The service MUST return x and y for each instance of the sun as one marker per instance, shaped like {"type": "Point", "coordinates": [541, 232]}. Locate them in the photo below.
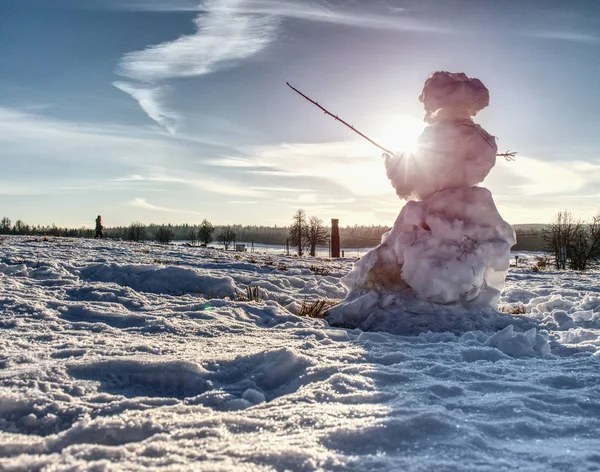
{"type": "Point", "coordinates": [399, 133]}
{"type": "Point", "coordinates": [366, 176]}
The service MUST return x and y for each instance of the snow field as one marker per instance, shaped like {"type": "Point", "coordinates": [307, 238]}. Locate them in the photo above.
{"type": "Point", "coordinates": [123, 356]}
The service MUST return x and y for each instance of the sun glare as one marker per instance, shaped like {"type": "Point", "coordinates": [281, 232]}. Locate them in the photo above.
{"type": "Point", "coordinates": [395, 132]}
{"type": "Point", "coordinates": [399, 132]}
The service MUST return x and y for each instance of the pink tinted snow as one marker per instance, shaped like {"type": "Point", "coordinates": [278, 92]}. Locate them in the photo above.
{"type": "Point", "coordinates": [448, 95]}
{"type": "Point", "coordinates": [449, 245]}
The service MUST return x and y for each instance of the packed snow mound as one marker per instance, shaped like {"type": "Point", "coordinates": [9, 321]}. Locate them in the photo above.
{"type": "Point", "coordinates": [448, 95]}
{"type": "Point", "coordinates": [449, 154]}
{"type": "Point", "coordinates": [405, 314]}
{"type": "Point", "coordinates": [155, 279]}
{"type": "Point", "coordinates": [450, 249]}
{"type": "Point", "coordinates": [529, 343]}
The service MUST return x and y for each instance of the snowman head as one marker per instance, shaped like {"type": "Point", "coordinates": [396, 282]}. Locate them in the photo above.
{"type": "Point", "coordinates": [453, 96]}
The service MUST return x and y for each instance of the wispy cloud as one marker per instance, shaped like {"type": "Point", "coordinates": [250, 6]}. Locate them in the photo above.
{"type": "Point", "coordinates": [28, 135]}
{"type": "Point", "coordinates": [155, 5]}
{"type": "Point", "coordinates": [228, 32]}
{"type": "Point", "coordinates": [388, 18]}
{"type": "Point", "coordinates": [282, 189]}
{"type": "Point", "coordinates": [151, 101]}
{"type": "Point", "coordinates": [50, 155]}
{"type": "Point", "coordinates": [224, 36]}
{"type": "Point", "coordinates": [204, 182]}
{"type": "Point", "coordinates": [350, 164]}
{"type": "Point", "coordinates": [232, 162]}
{"type": "Point", "coordinates": [554, 178]}
{"type": "Point", "coordinates": [143, 203]}
{"type": "Point", "coordinates": [574, 36]}
{"type": "Point", "coordinates": [228, 188]}
{"type": "Point", "coordinates": [140, 178]}
{"type": "Point", "coordinates": [340, 14]}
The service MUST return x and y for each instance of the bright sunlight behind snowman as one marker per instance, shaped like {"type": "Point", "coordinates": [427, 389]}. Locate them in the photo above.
{"type": "Point", "coordinates": [399, 133]}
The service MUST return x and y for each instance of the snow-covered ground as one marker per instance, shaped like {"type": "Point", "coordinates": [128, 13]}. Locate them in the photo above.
{"type": "Point", "coordinates": [124, 356]}
{"type": "Point", "coordinates": [277, 249]}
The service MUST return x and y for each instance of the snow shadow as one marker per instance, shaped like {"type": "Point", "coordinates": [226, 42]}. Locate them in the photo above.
{"type": "Point", "coordinates": [35, 414]}
{"type": "Point", "coordinates": [469, 397]}
{"type": "Point", "coordinates": [92, 314]}
{"type": "Point", "coordinates": [223, 385]}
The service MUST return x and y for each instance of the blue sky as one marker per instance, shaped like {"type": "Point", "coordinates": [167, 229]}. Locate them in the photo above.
{"type": "Point", "coordinates": [175, 111]}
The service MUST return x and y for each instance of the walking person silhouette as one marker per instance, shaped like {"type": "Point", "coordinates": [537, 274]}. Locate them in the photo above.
{"type": "Point", "coordinates": [99, 227]}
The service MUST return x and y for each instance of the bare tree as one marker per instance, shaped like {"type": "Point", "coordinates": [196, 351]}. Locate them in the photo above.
{"type": "Point", "coordinates": [585, 247]}
{"type": "Point", "coordinates": [226, 236]}
{"type": "Point", "coordinates": [316, 234]}
{"type": "Point", "coordinates": [164, 234]}
{"type": "Point", "coordinates": [297, 231]}
{"type": "Point", "coordinates": [205, 232]}
{"type": "Point", "coordinates": [136, 231]}
{"type": "Point", "coordinates": [580, 240]}
{"type": "Point", "coordinates": [193, 235]}
{"type": "Point", "coordinates": [20, 227]}
{"type": "Point", "coordinates": [561, 232]}
{"type": "Point", "coordinates": [5, 225]}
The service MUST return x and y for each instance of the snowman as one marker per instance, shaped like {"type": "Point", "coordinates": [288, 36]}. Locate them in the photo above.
{"type": "Point", "coordinates": [446, 258]}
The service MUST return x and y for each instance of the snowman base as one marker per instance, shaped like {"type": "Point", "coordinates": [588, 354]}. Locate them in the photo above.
{"type": "Point", "coordinates": [441, 268]}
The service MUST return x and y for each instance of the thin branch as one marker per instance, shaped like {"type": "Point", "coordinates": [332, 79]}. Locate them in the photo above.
{"type": "Point", "coordinates": [509, 156]}
{"type": "Point", "coordinates": [340, 120]}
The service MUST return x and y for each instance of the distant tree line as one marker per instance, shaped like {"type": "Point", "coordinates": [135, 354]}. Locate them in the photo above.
{"type": "Point", "coordinates": [530, 237]}
{"type": "Point", "coordinates": [578, 240]}
{"type": "Point", "coordinates": [22, 228]}
{"type": "Point", "coordinates": [205, 233]}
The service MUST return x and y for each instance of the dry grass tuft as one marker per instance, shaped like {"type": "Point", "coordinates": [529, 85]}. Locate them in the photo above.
{"type": "Point", "coordinates": [316, 308]}
{"type": "Point", "coordinates": [320, 270]}
{"type": "Point", "coordinates": [518, 309]}
{"type": "Point", "coordinates": [252, 295]}
{"type": "Point", "coordinates": [541, 263]}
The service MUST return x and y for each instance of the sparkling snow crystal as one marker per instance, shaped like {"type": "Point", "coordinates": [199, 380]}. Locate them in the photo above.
{"type": "Point", "coordinates": [448, 252]}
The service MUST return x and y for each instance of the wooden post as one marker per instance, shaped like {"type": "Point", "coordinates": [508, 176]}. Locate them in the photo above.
{"type": "Point", "coordinates": [299, 237]}
{"type": "Point", "coordinates": [562, 257]}
{"type": "Point", "coordinates": [335, 238]}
